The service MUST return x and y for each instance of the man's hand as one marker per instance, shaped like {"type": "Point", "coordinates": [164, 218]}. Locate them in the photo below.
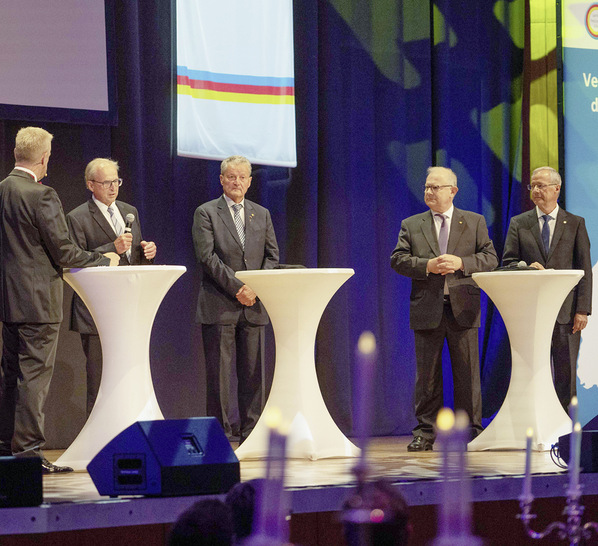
{"type": "Point", "coordinates": [246, 295]}
{"type": "Point", "coordinates": [123, 242]}
{"type": "Point", "coordinates": [445, 264]}
{"type": "Point", "coordinates": [580, 321]}
{"type": "Point", "coordinates": [538, 266]}
{"type": "Point", "coordinates": [113, 257]}
{"type": "Point", "coordinates": [149, 249]}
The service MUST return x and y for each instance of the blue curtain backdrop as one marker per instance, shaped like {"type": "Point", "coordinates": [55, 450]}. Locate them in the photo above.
{"type": "Point", "coordinates": [383, 90]}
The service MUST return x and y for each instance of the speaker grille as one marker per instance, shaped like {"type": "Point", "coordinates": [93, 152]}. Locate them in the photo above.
{"type": "Point", "coordinates": [129, 472]}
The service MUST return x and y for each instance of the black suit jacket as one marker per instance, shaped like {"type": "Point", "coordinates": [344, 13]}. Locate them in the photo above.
{"type": "Point", "coordinates": [418, 244]}
{"type": "Point", "coordinates": [569, 249]}
{"type": "Point", "coordinates": [91, 231]}
{"type": "Point", "coordinates": [220, 254]}
{"type": "Point", "coordinates": [34, 247]}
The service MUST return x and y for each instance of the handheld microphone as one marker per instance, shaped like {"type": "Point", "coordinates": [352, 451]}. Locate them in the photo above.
{"type": "Point", "coordinates": [516, 266]}
{"type": "Point", "coordinates": [129, 218]}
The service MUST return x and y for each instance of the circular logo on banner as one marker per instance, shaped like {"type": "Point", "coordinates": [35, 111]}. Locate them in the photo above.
{"type": "Point", "coordinates": [592, 21]}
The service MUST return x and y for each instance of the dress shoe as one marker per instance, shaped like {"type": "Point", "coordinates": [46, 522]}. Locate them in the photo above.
{"type": "Point", "coordinates": [419, 443]}
{"type": "Point", "coordinates": [49, 468]}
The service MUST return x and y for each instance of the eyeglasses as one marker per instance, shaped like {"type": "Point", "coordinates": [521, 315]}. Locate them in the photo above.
{"type": "Point", "coordinates": [242, 178]}
{"type": "Point", "coordinates": [434, 189]}
{"type": "Point", "coordinates": [108, 183]}
{"type": "Point", "coordinates": [540, 187]}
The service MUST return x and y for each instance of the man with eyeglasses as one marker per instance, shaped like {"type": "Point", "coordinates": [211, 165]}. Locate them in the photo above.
{"type": "Point", "coordinates": [439, 250]}
{"type": "Point", "coordinates": [233, 234]}
{"type": "Point", "coordinates": [101, 224]}
{"type": "Point", "coordinates": [548, 237]}
{"type": "Point", "coordinates": [34, 247]}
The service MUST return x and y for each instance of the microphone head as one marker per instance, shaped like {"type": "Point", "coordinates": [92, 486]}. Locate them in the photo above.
{"type": "Point", "coordinates": [130, 218]}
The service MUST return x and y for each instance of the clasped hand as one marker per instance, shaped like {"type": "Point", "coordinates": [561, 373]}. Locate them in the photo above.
{"type": "Point", "coordinates": [246, 295]}
{"type": "Point", "coordinates": [445, 264]}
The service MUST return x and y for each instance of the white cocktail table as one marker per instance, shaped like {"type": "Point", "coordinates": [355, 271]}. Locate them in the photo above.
{"type": "Point", "coordinates": [529, 302]}
{"type": "Point", "coordinates": [295, 300]}
{"type": "Point", "coordinates": [123, 302]}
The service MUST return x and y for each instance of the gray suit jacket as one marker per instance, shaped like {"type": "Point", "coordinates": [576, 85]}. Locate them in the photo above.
{"type": "Point", "coordinates": [34, 247]}
{"type": "Point", "coordinates": [569, 249]}
{"type": "Point", "coordinates": [219, 252]}
{"type": "Point", "coordinates": [418, 244]}
{"type": "Point", "coordinates": [91, 231]}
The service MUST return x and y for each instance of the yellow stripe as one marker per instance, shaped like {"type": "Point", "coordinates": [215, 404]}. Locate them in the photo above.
{"type": "Point", "coordinates": [234, 97]}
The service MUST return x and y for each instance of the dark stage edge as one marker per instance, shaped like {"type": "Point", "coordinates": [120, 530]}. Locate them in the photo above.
{"type": "Point", "coordinates": [71, 501]}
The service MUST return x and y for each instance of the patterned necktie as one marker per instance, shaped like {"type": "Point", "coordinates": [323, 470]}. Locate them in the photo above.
{"type": "Point", "coordinates": [443, 234]}
{"type": "Point", "coordinates": [239, 224]}
{"type": "Point", "coordinates": [115, 223]}
{"type": "Point", "coordinates": [546, 232]}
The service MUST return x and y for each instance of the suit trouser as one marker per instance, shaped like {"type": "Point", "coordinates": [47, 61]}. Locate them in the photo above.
{"type": "Point", "coordinates": [93, 365]}
{"type": "Point", "coordinates": [28, 355]}
{"type": "Point", "coordinates": [228, 349]}
{"type": "Point", "coordinates": [465, 365]}
{"type": "Point", "coordinates": [565, 348]}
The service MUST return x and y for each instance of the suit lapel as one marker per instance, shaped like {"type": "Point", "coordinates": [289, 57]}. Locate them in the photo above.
{"type": "Point", "coordinates": [227, 219]}
{"type": "Point", "coordinates": [250, 222]}
{"type": "Point", "coordinates": [457, 227]}
{"type": "Point", "coordinates": [559, 229]}
{"type": "Point", "coordinates": [533, 225]}
{"type": "Point", "coordinates": [100, 220]}
{"type": "Point", "coordinates": [429, 232]}
{"type": "Point", "coordinates": [123, 213]}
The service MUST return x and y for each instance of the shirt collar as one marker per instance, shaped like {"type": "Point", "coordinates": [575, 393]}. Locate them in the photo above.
{"type": "Point", "coordinates": [102, 206]}
{"type": "Point", "coordinates": [230, 202]}
{"type": "Point", "coordinates": [448, 214]}
{"type": "Point", "coordinates": [552, 214]}
{"type": "Point", "coordinates": [28, 171]}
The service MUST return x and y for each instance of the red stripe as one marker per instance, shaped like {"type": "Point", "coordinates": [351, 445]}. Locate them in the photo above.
{"type": "Point", "coordinates": [235, 88]}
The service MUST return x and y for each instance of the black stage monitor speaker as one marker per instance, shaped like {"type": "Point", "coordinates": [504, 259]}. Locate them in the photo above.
{"type": "Point", "coordinates": [588, 460]}
{"type": "Point", "coordinates": [20, 482]}
{"type": "Point", "coordinates": [166, 458]}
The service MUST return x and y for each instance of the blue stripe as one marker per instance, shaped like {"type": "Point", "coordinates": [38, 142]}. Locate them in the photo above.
{"type": "Point", "coordinates": [234, 78]}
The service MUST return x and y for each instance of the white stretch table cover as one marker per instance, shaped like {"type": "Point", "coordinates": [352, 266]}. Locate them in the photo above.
{"type": "Point", "coordinates": [529, 302]}
{"type": "Point", "coordinates": [295, 300]}
{"type": "Point", "coordinates": [123, 302]}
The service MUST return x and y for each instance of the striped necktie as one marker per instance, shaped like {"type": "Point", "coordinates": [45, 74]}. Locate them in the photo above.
{"type": "Point", "coordinates": [239, 223]}
{"type": "Point", "coordinates": [115, 223]}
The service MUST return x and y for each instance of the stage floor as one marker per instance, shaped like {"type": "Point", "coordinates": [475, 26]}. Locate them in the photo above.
{"type": "Point", "coordinates": [72, 502]}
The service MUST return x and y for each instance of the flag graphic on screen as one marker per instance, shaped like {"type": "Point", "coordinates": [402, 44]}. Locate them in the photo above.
{"type": "Point", "coordinates": [235, 80]}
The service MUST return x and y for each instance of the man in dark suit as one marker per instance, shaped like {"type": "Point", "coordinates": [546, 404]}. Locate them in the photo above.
{"type": "Point", "coordinates": [100, 225]}
{"type": "Point", "coordinates": [439, 250]}
{"type": "Point", "coordinates": [34, 247]}
{"type": "Point", "coordinates": [548, 237]}
{"type": "Point", "coordinates": [232, 234]}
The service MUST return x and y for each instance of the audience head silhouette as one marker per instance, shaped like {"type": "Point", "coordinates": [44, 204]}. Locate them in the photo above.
{"type": "Point", "coordinates": [377, 516]}
{"type": "Point", "coordinates": [207, 523]}
{"type": "Point", "coordinates": [241, 501]}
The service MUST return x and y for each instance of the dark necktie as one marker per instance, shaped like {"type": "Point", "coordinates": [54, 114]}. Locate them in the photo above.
{"type": "Point", "coordinates": [239, 223]}
{"type": "Point", "coordinates": [546, 232]}
{"type": "Point", "coordinates": [443, 234]}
